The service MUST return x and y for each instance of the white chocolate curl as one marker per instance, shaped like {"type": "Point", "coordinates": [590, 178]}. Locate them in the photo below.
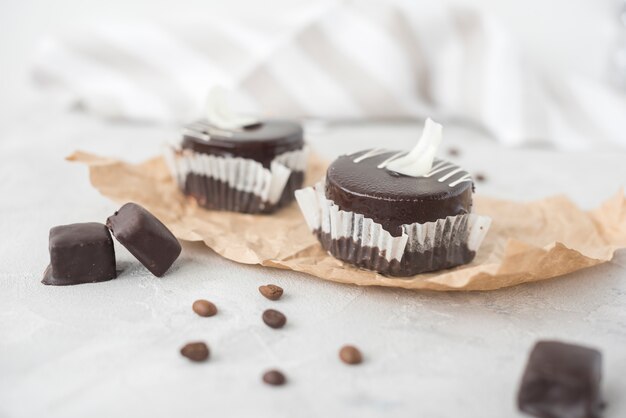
{"type": "Point", "coordinates": [419, 161]}
{"type": "Point", "coordinates": [221, 114]}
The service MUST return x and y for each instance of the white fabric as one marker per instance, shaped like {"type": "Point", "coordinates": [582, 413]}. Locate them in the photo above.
{"type": "Point", "coordinates": [366, 59]}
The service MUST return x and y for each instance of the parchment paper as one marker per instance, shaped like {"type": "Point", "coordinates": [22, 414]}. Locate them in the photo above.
{"type": "Point", "coordinates": [527, 241]}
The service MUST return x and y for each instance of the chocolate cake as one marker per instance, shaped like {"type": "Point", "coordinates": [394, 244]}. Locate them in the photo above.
{"type": "Point", "coordinates": [361, 183]}
{"type": "Point", "coordinates": [399, 213]}
{"type": "Point", "coordinates": [251, 169]}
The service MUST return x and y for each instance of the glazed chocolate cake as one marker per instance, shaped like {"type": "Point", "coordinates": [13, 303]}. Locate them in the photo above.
{"type": "Point", "coordinates": [361, 183]}
{"type": "Point", "coordinates": [399, 213]}
{"type": "Point", "coordinates": [262, 142]}
{"type": "Point", "coordinates": [252, 169]}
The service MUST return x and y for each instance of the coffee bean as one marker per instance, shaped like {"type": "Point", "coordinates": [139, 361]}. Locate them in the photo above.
{"type": "Point", "coordinates": [274, 378]}
{"type": "Point", "coordinates": [453, 152]}
{"type": "Point", "coordinates": [197, 351]}
{"type": "Point", "coordinates": [480, 177]}
{"type": "Point", "coordinates": [204, 308]}
{"type": "Point", "coordinates": [274, 319]}
{"type": "Point", "coordinates": [350, 355]}
{"type": "Point", "coordinates": [271, 291]}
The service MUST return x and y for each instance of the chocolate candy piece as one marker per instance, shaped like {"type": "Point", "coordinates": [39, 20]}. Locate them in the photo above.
{"type": "Point", "coordinates": [80, 253]}
{"type": "Point", "coordinates": [561, 381]}
{"type": "Point", "coordinates": [145, 237]}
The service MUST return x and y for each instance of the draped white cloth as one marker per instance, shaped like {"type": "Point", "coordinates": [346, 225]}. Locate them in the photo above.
{"type": "Point", "coordinates": [342, 60]}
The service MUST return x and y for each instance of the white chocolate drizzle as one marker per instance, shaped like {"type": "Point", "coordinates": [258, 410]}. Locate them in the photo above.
{"type": "Point", "coordinates": [448, 170]}
{"type": "Point", "coordinates": [369, 154]}
{"type": "Point", "coordinates": [420, 159]}
{"type": "Point", "coordinates": [445, 169]}
{"type": "Point", "coordinates": [390, 159]}
{"type": "Point", "coordinates": [441, 166]}
{"type": "Point", "coordinates": [463, 179]}
{"type": "Point", "coordinates": [450, 174]}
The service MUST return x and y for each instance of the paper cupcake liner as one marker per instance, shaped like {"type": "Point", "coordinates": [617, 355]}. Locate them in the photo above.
{"type": "Point", "coordinates": [352, 237]}
{"type": "Point", "coordinates": [238, 184]}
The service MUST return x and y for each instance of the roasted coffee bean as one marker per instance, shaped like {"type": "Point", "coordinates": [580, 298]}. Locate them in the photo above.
{"type": "Point", "coordinates": [453, 152]}
{"type": "Point", "coordinates": [204, 308]}
{"type": "Point", "coordinates": [271, 291]}
{"type": "Point", "coordinates": [480, 177]}
{"type": "Point", "coordinates": [274, 319]}
{"type": "Point", "coordinates": [197, 351]}
{"type": "Point", "coordinates": [350, 355]}
{"type": "Point", "coordinates": [274, 378]}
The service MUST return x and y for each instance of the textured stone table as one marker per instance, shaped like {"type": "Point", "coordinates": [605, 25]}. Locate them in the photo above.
{"type": "Point", "coordinates": [111, 349]}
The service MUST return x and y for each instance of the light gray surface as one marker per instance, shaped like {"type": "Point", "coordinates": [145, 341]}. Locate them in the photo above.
{"type": "Point", "coordinates": [111, 349]}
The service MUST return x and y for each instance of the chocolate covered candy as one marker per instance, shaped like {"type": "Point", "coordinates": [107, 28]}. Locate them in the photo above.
{"type": "Point", "coordinates": [80, 253]}
{"type": "Point", "coordinates": [561, 381]}
{"type": "Point", "coordinates": [145, 237]}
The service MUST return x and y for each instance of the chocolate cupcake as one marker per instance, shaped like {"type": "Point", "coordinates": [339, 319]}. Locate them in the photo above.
{"type": "Point", "coordinates": [244, 165]}
{"type": "Point", "coordinates": [398, 213]}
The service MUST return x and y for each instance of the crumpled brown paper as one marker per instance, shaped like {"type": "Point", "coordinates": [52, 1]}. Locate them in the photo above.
{"type": "Point", "coordinates": [527, 241]}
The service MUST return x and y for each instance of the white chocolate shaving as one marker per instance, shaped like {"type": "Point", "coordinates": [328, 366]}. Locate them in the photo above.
{"type": "Point", "coordinates": [220, 113]}
{"type": "Point", "coordinates": [419, 161]}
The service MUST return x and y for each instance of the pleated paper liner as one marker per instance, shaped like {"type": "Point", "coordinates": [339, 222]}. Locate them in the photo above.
{"type": "Point", "coordinates": [237, 184]}
{"type": "Point", "coordinates": [420, 248]}
{"type": "Point", "coordinates": [526, 242]}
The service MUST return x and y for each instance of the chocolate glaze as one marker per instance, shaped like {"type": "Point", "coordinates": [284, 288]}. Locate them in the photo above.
{"type": "Point", "coordinates": [218, 195]}
{"type": "Point", "coordinates": [80, 253]}
{"type": "Point", "coordinates": [392, 199]}
{"type": "Point", "coordinates": [145, 237]}
{"type": "Point", "coordinates": [261, 142]}
{"type": "Point", "coordinates": [562, 380]}
{"type": "Point", "coordinates": [412, 263]}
